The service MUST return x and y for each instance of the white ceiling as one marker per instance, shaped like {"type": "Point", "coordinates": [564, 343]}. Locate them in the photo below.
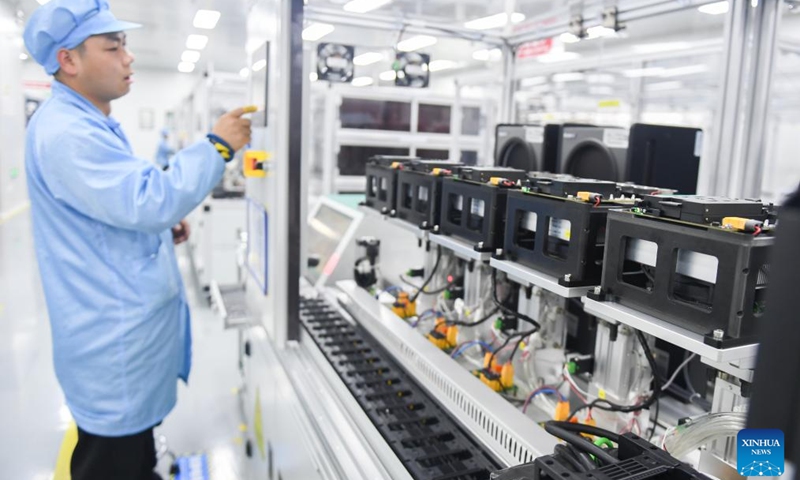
{"type": "Point", "coordinates": [166, 25]}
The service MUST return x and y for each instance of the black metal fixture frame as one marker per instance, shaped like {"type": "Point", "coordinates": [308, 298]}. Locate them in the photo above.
{"type": "Point", "coordinates": [743, 263]}
{"type": "Point", "coordinates": [425, 438]}
{"type": "Point", "coordinates": [486, 231]}
{"type": "Point", "coordinates": [577, 262]}
{"type": "Point", "coordinates": [381, 193]}
{"type": "Point", "coordinates": [423, 213]}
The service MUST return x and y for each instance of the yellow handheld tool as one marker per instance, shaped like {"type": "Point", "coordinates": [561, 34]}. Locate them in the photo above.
{"type": "Point", "coordinates": [250, 109]}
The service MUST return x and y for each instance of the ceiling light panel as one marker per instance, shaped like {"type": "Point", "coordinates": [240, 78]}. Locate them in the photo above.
{"type": "Point", "coordinates": [190, 56]}
{"type": "Point", "coordinates": [716, 8]}
{"type": "Point", "coordinates": [557, 57]}
{"type": "Point", "coordinates": [368, 58]}
{"type": "Point", "coordinates": [494, 21]}
{"type": "Point", "coordinates": [364, 6]}
{"type": "Point", "coordinates": [567, 37]}
{"type": "Point", "coordinates": [486, 55]}
{"type": "Point", "coordinates": [600, 31]}
{"type": "Point", "coordinates": [687, 70]}
{"type": "Point", "coordinates": [663, 86]}
{"type": "Point", "coordinates": [196, 42]}
{"type": "Point", "coordinates": [644, 72]}
{"type": "Point", "coordinates": [388, 76]}
{"type": "Point", "coordinates": [439, 65]}
{"type": "Point", "coordinates": [315, 31]}
{"type": "Point", "coordinates": [661, 47]}
{"type": "Point", "coordinates": [362, 81]}
{"type": "Point", "coordinates": [186, 67]}
{"type": "Point", "coordinates": [568, 77]}
{"type": "Point", "coordinates": [415, 43]}
{"type": "Point", "coordinates": [206, 19]}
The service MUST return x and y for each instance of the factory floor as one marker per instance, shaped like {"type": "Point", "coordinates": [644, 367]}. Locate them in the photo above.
{"type": "Point", "coordinates": [35, 418]}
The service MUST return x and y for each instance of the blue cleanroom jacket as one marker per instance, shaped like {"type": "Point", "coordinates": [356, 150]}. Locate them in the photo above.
{"type": "Point", "coordinates": [102, 223]}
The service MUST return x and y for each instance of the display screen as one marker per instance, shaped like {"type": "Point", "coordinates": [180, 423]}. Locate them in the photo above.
{"type": "Point", "coordinates": [432, 154]}
{"type": "Point", "coordinates": [375, 115]}
{"type": "Point", "coordinates": [470, 121]}
{"type": "Point", "coordinates": [325, 232]}
{"type": "Point", "coordinates": [469, 157]}
{"type": "Point", "coordinates": [434, 118]}
{"type": "Point", "coordinates": [352, 160]}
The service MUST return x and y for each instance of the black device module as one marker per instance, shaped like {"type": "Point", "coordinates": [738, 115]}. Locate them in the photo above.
{"type": "Point", "coordinates": [664, 155]}
{"type": "Point", "coordinates": [425, 438]}
{"type": "Point", "coordinates": [557, 226]}
{"type": "Point", "coordinates": [473, 208]}
{"type": "Point", "coordinates": [530, 147]}
{"type": "Point", "coordinates": [520, 146]}
{"type": "Point", "coordinates": [636, 458]}
{"type": "Point", "coordinates": [708, 276]}
{"type": "Point", "coordinates": [594, 152]}
{"type": "Point", "coordinates": [702, 210]}
{"type": "Point", "coordinates": [774, 401]}
{"type": "Point", "coordinates": [381, 175]}
{"type": "Point", "coordinates": [419, 194]}
{"type": "Point", "coordinates": [640, 191]}
{"type": "Point", "coordinates": [660, 155]}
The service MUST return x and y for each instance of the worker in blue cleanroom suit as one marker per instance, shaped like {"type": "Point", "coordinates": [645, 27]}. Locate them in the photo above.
{"type": "Point", "coordinates": [105, 222]}
{"type": "Point", "coordinates": [164, 152]}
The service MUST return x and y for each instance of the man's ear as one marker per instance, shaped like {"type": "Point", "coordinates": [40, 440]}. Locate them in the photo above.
{"type": "Point", "coordinates": [68, 62]}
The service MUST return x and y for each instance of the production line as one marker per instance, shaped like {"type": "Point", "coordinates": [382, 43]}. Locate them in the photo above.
{"type": "Point", "coordinates": [466, 318]}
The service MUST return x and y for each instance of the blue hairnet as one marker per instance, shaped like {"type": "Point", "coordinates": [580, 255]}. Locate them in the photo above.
{"type": "Point", "coordinates": [66, 24]}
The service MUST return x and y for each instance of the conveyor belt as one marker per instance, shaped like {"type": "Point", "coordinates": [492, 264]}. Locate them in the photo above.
{"type": "Point", "coordinates": [429, 443]}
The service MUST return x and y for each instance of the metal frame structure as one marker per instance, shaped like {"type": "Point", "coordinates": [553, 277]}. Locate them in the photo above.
{"type": "Point", "coordinates": [748, 46]}
{"type": "Point", "coordinates": [291, 368]}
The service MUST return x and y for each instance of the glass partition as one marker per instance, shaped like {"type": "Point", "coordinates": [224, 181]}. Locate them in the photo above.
{"type": "Point", "coordinates": [781, 164]}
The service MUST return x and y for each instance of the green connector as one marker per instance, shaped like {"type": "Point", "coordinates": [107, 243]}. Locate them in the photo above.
{"type": "Point", "coordinates": [572, 368]}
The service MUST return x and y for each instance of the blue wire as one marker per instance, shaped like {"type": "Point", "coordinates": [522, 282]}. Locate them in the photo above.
{"type": "Point", "coordinates": [387, 289]}
{"type": "Point", "coordinates": [463, 348]}
{"type": "Point", "coordinates": [547, 390]}
{"type": "Point", "coordinates": [422, 315]}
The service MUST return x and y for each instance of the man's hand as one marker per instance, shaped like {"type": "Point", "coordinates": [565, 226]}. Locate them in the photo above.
{"type": "Point", "coordinates": [180, 232]}
{"type": "Point", "coordinates": [234, 129]}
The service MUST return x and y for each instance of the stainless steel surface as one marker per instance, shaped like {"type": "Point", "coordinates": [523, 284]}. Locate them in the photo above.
{"type": "Point", "coordinates": [461, 248]}
{"type": "Point", "coordinates": [693, 342]}
{"type": "Point", "coordinates": [727, 398]}
{"type": "Point", "coordinates": [410, 227]}
{"type": "Point", "coordinates": [745, 374]}
{"type": "Point", "coordinates": [619, 370]}
{"type": "Point", "coordinates": [710, 464]}
{"type": "Point", "coordinates": [528, 277]}
{"type": "Point", "coordinates": [621, 374]}
{"type": "Point", "coordinates": [499, 426]}
{"type": "Point", "coordinates": [231, 304]}
{"type": "Point", "coordinates": [740, 129]}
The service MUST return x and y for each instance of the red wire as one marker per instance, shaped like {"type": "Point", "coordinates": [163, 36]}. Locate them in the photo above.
{"type": "Point", "coordinates": [757, 232]}
{"type": "Point", "coordinates": [597, 201]}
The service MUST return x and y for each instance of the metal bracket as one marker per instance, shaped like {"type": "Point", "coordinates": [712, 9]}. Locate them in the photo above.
{"type": "Point", "coordinates": [611, 19]}
{"type": "Point", "coordinates": [576, 26]}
